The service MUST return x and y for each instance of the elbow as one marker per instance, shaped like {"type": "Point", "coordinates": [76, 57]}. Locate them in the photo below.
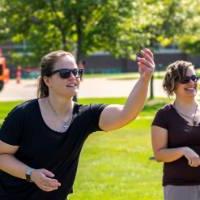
{"type": "Point", "coordinates": [126, 119]}
{"type": "Point", "coordinates": [157, 157]}
{"type": "Point", "coordinates": [128, 115]}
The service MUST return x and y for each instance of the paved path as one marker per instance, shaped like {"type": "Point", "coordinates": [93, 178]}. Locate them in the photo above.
{"type": "Point", "coordinates": [91, 87]}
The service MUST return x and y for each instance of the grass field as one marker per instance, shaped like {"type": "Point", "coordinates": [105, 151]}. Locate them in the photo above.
{"type": "Point", "coordinates": [117, 165]}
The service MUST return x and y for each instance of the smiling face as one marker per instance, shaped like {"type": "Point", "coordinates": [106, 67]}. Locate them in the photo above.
{"type": "Point", "coordinates": [187, 89]}
{"type": "Point", "coordinates": [178, 74]}
{"type": "Point", "coordinates": [62, 85]}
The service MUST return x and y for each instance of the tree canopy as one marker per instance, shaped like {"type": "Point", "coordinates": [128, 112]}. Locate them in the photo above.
{"type": "Point", "coordinates": [120, 27]}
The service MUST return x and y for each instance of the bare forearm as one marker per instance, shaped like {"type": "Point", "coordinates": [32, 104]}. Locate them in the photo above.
{"type": "Point", "coordinates": [43, 178]}
{"type": "Point", "coordinates": [117, 116]}
{"type": "Point", "coordinates": [169, 155]}
{"type": "Point", "coordinates": [136, 99]}
{"type": "Point", "coordinates": [12, 166]}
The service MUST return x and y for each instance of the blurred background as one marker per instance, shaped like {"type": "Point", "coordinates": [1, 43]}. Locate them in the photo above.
{"type": "Point", "coordinates": [106, 34]}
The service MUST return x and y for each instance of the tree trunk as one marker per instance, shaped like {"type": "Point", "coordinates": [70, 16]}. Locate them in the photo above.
{"type": "Point", "coordinates": [151, 88]}
{"type": "Point", "coordinates": [64, 41]}
{"type": "Point", "coordinates": [79, 28]}
{"type": "Point", "coordinates": [152, 44]}
{"type": "Point", "coordinates": [125, 65]}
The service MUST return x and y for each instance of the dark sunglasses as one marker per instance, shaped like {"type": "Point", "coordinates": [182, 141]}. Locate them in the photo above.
{"type": "Point", "coordinates": [187, 79]}
{"type": "Point", "coordinates": [66, 73]}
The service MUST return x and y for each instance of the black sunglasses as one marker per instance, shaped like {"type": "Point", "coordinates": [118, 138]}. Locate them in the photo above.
{"type": "Point", "coordinates": [66, 73]}
{"type": "Point", "coordinates": [187, 79]}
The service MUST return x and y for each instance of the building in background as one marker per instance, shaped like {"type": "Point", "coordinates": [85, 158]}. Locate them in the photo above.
{"type": "Point", "coordinates": [101, 62]}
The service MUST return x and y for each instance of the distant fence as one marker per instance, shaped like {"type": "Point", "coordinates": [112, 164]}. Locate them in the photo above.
{"type": "Point", "coordinates": [106, 63]}
{"type": "Point", "coordinates": [109, 64]}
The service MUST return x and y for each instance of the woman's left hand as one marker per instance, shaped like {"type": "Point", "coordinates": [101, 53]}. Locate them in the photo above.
{"type": "Point", "coordinates": [146, 63]}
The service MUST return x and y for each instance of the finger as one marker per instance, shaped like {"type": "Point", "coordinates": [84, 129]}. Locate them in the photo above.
{"type": "Point", "coordinates": [143, 68]}
{"type": "Point", "coordinates": [48, 173]}
{"type": "Point", "coordinates": [149, 52]}
{"type": "Point", "coordinates": [51, 182]}
{"type": "Point", "coordinates": [146, 63]}
{"type": "Point", "coordinates": [138, 55]}
{"type": "Point", "coordinates": [194, 165]}
{"type": "Point", "coordinates": [188, 159]}
{"type": "Point", "coordinates": [48, 189]}
{"type": "Point", "coordinates": [47, 179]}
{"type": "Point", "coordinates": [147, 57]}
{"type": "Point", "coordinates": [190, 162]}
{"type": "Point", "coordinates": [196, 162]}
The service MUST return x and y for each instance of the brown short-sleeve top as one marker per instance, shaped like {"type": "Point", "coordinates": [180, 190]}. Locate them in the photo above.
{"type": "Point", "coordinates": [179, 134]}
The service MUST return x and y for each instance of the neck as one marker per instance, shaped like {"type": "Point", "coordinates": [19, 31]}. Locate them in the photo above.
{"type": "Point", "coordinates": [61, 105]}
{"type": "Point", "coordinates": [188, 103]}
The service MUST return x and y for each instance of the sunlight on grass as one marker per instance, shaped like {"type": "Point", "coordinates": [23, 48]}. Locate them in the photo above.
{"type": "Point", "coordinates": [117, 165]}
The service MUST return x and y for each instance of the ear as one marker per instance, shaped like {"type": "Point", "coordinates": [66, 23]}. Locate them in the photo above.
{"type": "Point", "coordinates": [47, 81]}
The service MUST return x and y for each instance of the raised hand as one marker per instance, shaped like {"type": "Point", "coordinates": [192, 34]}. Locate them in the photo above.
{"type": "Point", "coordinates": [145, 61]}
{"type": "Point", "coordinates": [44, 180]}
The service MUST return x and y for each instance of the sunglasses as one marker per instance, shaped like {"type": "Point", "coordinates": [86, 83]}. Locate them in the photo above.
{"type": "Point", "coordinates": [187, 79]}
{"type": "Point", "coordinates": [66, 73]}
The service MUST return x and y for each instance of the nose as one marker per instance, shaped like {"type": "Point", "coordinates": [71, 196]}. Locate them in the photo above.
{"type": "Point", "coordinates": [72, 75]}
{"type": "Point", "coordinates": [191, 80]}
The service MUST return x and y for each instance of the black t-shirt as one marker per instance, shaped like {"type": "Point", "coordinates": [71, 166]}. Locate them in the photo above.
{"type": "Point", "coordinates": [42, 147]}
{"type": "Point", "coordinates": [180, 134]}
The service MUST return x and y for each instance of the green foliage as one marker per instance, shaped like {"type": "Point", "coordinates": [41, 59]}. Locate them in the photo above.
{"type": "Point", "coordinates": [81, 26]}
{"type": "Point", "coordinates": [189, 40]}
{"type": "Point", "coordinates": [121, 27]}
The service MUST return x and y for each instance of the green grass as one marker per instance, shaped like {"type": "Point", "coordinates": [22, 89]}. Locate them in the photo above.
{"type": "Point", "coordinates": [116, 165]}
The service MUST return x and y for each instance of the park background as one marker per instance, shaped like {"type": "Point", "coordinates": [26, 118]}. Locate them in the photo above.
{"type": "Point", "coordinates": [107, 34]}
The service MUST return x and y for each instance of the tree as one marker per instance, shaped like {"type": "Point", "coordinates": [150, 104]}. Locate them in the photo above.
{"type": "Point", "coordinates": [165, 24]}
{"type": "Point", "coordinates": [81, 26]}
{"type": "Point", "coordinates": [121, 27]}
{"type": "Point", "coordinates": [189, 41]}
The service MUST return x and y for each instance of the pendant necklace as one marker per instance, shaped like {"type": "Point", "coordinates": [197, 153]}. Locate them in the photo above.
{"type": "Point", "coordinates": [194, 122]}
{"type": "Point", "coordinates": [66, 123]}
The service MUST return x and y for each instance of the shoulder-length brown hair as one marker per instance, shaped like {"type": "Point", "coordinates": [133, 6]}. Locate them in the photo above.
{"type": "Point", "coordinates": [46, 67]}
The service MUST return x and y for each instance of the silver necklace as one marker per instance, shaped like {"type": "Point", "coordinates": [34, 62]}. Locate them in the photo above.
{"type": "Point", "coordinates": [194, 122]}
{"type": "Point", "coordinates": [66, 123]}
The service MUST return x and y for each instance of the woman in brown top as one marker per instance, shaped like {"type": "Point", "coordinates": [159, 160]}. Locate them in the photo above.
{"type": "Point", "coordinates": [176, 134]}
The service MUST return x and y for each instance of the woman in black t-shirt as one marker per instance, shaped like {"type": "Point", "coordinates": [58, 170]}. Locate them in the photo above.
{"type": "Point", "coordinates": [41, 139]}
{"type": "Point", "coordinates": [176, 134]}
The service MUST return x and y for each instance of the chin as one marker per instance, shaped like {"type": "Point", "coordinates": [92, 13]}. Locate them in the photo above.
{"type": "Point", "coordinates": [71, 94]}
{"type": "Point", "coordinates": [192, 95]}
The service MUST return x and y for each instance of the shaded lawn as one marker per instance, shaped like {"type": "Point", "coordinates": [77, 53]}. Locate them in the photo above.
{"type": "Point", "coordinates": [116, 165]}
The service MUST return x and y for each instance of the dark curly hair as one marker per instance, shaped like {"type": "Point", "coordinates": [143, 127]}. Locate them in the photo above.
{"type": "Point", "coordinates": [174, 73]}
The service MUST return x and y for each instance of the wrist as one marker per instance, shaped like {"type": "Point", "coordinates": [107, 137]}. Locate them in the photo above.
{"type": "Point", "coordinates": [145, 78]}
{"type": "Point", "coordinates": [183, 150]}
{"type": "Point", "coordinates": [28, 174]}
